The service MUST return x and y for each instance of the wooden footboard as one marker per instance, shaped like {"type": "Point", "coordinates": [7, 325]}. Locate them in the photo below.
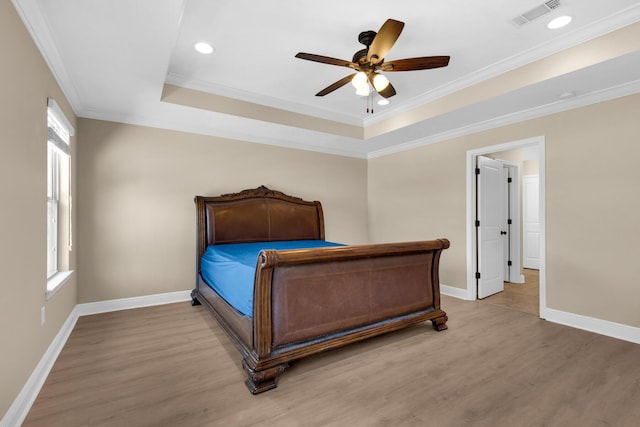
{"type": "Point", "coordinates": [311, 300]}
{"type": "Point", "coordinates": [307, 301]}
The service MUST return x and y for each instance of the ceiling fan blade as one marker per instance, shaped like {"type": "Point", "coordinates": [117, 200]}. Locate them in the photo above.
{"type": "Point", "coordinates": [337, 85]}
{"type": "Point", "coordinates": [326, 60]}
{"type": "Point", "coordinates": [384, 40]}
{"type": "Point", "coordinates": [387, 92]}
{"type": "Point", "coordinates": [411, 64]}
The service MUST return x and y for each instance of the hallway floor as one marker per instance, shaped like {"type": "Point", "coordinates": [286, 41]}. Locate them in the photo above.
{"type": "Point", "coordinates": [524, 297]}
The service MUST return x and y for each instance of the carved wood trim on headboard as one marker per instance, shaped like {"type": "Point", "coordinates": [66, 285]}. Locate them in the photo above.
{"type": "Point", "coordinates": [257, 215]}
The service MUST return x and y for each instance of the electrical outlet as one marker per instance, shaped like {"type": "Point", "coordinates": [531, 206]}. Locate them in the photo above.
{"type": "Point", "coordinates": [42, 316]}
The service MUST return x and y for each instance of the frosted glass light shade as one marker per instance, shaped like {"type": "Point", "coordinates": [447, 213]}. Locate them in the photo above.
{"type": "Point", "coordinates": [363, 90]}
{"type": "Point", "coordinates": [380, 82]}
{"type": "Point", "coordinates": [359, 80]}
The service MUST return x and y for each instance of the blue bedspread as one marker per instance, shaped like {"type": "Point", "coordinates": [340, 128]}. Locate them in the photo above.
{"type": "Point", "coordinates": [229, 269]}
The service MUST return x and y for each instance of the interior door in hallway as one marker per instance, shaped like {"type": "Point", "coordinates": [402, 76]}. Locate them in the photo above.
{"type": "Point", "coordinates": [491, 228]}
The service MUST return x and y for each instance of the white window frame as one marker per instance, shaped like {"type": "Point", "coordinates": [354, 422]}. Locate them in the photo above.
{"type": "Point", "coordinates": [53, 194]}
{"type": "Point", "coordinates": [59, 132]}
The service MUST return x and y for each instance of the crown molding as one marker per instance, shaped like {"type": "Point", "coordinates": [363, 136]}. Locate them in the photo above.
{"type": "Point", "coordinates": [34, 21]}
{"type": "Point", "coordinates": [516, 117]}
{"type": "Point", "coordinates": [169, 124]}
{"type": "Point", "coordinates": [512, 118]}
{"type": "Point", "coordinates": [606, 25]}
{"type": "Point", "coordinates": [222, 90]}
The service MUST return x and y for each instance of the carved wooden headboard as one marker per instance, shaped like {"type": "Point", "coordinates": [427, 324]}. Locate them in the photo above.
{"type": "Point", "coordinates": [256, 215]}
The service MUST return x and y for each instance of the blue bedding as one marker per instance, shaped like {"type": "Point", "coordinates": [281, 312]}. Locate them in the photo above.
{"type": "Point", "coordinates": [229, 269]}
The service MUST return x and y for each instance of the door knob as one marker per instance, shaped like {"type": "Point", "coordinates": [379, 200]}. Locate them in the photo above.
{"type": "Point", "coordinates": [503, 232]}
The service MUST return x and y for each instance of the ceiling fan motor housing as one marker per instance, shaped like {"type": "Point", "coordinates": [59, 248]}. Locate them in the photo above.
{"type": "Point", "coordinates": [360, 56]}
{"type": "Point", "coordinates": [366, 37]}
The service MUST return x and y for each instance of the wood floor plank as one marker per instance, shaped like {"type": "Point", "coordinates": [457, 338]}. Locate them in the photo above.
{"type": "Point", "coordinates": [523, 297]}
{"type": "Point", "coordinates": [173, 366]}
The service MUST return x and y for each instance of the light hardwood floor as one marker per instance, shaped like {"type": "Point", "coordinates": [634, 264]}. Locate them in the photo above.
{"type": "Point", "coordinates": [173, 366]}
{"type": "Point", "coordinates": [523, 297]}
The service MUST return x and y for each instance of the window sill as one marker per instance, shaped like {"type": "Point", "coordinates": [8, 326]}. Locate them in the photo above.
{"type": "Point", "coordinates": [55, 282]}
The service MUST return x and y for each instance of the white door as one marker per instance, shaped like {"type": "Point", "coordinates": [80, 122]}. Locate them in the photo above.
{"type": "Point", "coordinates": [531, 222]}
{"type": "Point", "coordinates": [506, 199]}
{"type": "Point", "coordinates": [513, 226]}
{"type": "Point", "coordinates": [490, 199]}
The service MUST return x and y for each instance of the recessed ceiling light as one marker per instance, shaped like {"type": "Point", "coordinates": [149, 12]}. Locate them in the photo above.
{"type": "Point", "coordinates": [567, 95]}
{"type": "Point", "coordinates": [383, 101]}
{"type": "Point", "coordinates": [204, 48]}
{"type": "Point", "coordinates": [559, 22]}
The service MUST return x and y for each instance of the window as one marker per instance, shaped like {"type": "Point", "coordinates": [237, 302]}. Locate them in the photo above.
{"type": "Point", "coordinates": [59, 241]}
{"type": "Point", "coordinates": [53, 198]}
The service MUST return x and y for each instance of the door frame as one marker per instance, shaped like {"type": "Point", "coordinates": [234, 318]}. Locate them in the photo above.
{"type": "Point", "coordinates": [539, 143]}
{"type": "Point", "coordinates": [524, 199]}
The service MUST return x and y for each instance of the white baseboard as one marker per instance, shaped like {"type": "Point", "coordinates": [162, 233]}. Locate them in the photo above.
{"type": "Point", "coordinates": [20, 408]}
{"type": "Point", "coordinates": [599, 326]}
{"type": "Point", "coordinates": [454, 292]}
{"type": "Point", "coordinates": [591, 324]}
{"type": "Point", "coordinates": [520, 279]}
{"type": "Point", "coordinates": [129, 303]}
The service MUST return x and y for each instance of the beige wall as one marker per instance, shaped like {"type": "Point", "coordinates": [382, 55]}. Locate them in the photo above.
{"type": "Point", "coordinates": [25, 85]}
{"type": "Point", "coordinates": [530, 167]}
{"type": "Point", "coordinates": [135, 218]}
{"type": "Point", "coordinates": [591, 204]}
{"type": "Point", "coordinates": [135, 200]}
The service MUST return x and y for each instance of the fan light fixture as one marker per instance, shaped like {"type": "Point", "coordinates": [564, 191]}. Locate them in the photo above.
{"type": "Point", "coordinates": [368, 64]}
{"type": "Point", "coordinates": [383, 101]}
{"type": "Point", "coordinates": [380, 82]}
{"type": "Point", "coordinates": [363, 90]}
{"type": "Point", "coordinates": [360, 80]}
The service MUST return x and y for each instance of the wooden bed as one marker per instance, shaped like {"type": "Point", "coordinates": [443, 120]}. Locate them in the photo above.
{"type": "Point", "coordinates": [311, 300]}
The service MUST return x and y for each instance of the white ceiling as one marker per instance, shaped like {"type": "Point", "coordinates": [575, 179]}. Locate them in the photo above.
{"type": "Point", "coordinates": [113, 59]}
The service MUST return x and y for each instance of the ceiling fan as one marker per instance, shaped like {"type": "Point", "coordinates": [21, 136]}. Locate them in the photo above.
{"type": "Point", "coordinates": [369, 62]}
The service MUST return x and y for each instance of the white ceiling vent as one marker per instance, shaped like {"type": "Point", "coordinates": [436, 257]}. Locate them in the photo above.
{"type": "Point", "coordinates": [535, 13]}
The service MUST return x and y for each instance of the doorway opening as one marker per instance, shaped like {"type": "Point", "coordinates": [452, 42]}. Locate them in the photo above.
{"type": "Point", "coordinates": [523, 297]}
{"type": "Point", "coordinates": [497, 222]}
{"type": "Point", "coordinates": [500, 245]}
